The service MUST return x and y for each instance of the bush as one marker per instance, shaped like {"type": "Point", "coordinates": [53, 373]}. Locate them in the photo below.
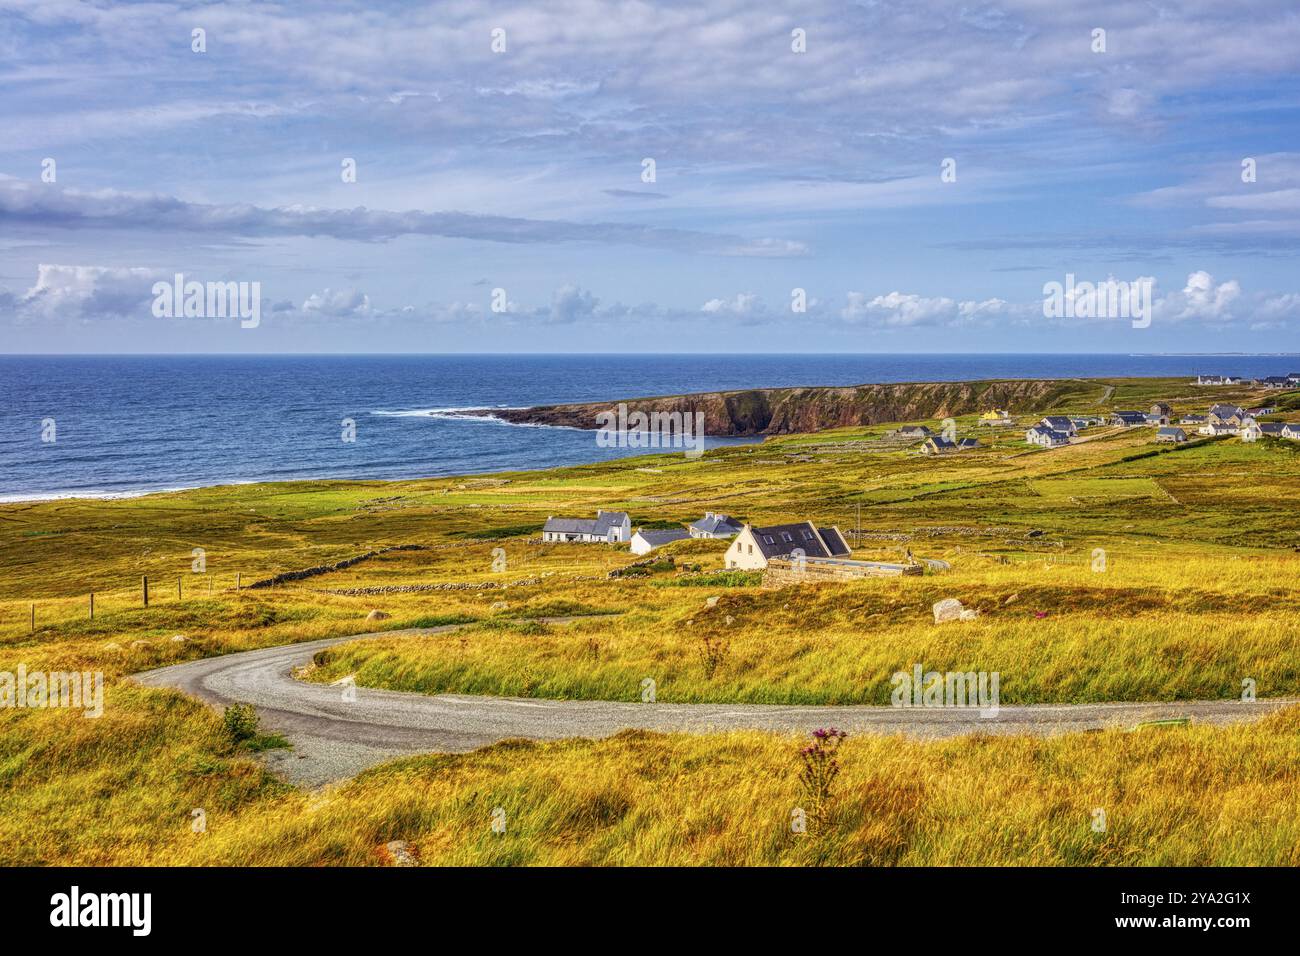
{"type": "Point", "coordinates": [239, 723]}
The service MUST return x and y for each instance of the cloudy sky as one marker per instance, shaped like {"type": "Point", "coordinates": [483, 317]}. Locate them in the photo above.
{"type": "Point", "coordinates": [511, 167]}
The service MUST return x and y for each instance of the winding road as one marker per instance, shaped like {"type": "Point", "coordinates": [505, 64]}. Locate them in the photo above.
{"type": "Point", "coordinates": [336, 735]}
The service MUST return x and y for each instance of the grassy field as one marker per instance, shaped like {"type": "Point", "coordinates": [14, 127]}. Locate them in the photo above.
{"type": "Point", "coordinates": [1195, 592]}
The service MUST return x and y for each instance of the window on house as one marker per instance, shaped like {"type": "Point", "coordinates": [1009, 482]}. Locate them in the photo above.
{"type": "Point", "coordinates": [807, 535]}
{"type": "Point", "coordinates": [785, 536]}
{"type": "Point", "coordinates": [751, 549]}
{"type": "Point", "coordinates": [769, 539]}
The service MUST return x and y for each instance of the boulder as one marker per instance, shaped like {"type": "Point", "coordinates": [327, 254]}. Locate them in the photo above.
{"type": "Point", "coordinates": [949, 609]}
{"type": "Point", "coordinates": [399, 851]}
{"type": "Point", "coordinates": [378, 616]}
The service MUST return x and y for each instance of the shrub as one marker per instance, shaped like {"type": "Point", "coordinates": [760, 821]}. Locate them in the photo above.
{"type": "Point", "coordinates": [239, 724]}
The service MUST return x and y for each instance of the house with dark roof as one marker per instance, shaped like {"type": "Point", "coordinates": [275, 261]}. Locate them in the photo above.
{"type": "Point", "coordinates": [715, 524]}
{"type": "Point", "coordinates": [754, 547]}
{"type": "Point", "coordinates": [1046, 437]}
{"type": "Point", "coordinates": [1274, 381]}
{"type": "Point", "coordinates": [1060, 423]}
{"type": "Point", "coordinates": [611, 527]}
{"type": "Point", "coordinates": [1291, 431]}
{"type": "Point", "coordinates": [913, 431]}
{"type": "Point", "coordinates": [1193, 420]}
{"type": "Point", "coordinates": [647, 539]}
{"type": "Point", "coordinates": [1162, 410]}
{"type": "Point", "coordinates": [1271, 429]}
{"type": "Point", "coordinates": [1128, 419]}
{"type": "Point", "coordinates": [1171, 434]}
{"type": "Point", "coordinates": [1227, 414]}
{"type": "Point", "coordinates": [938, 445]}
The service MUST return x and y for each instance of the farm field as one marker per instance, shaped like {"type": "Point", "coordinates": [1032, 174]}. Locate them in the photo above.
{"type": "Point", "coordinates": [1111, 570]}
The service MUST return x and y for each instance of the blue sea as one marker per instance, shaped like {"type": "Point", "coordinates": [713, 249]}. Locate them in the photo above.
{"type": "Point", "coordinates": [131, 424]}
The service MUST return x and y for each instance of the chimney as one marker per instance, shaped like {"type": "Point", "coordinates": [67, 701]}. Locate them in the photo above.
{"type": "Point", "coordinates": [708, 515]}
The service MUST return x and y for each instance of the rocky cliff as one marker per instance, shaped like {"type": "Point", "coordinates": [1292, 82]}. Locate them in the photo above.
{"type": "Point", "coordinates": [780, 411]}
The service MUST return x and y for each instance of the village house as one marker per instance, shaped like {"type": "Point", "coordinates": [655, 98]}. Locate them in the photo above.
{"type": "Point", "coordinates": [754, 547]}
{"type": "Point", "coordinates": [1218, 428]}
{"type": "Point", "coordinates": [1291, 431]}
{"type": "Point", "coordinates": [1274, 381]}
{"type": "Point", "coordinates": [1250, 431]}
{"type": "Point", "coordinates": [1218, 380]}
{"type": "Point", "coordinates": [1046, 437]}
{"type": "Point", "coordinates": [1233, 415]}
{"type": "Point", "coordinates": [1162, 411]}
{"type": "Point", "coordinates": [1171, 434]}
{"type": "Point", "coordinates": [646, 540]}
{"type": "Point", "coordinates": [714, 524]}
{"type": "Point", "coordinates": [1193, 420]}
{"type": "Point", "coordinates": [1060, 423]}
{"type": "Point", "coordinates": [996, 416]}
{"type": "Point", "coordinates": [1262, 410]}
{"type": "Point", "coordinates": [1271, 429]}
{"type": "Point", "coordinates": [913, 431]}
{"type": "Point", "coordinates": [612, 527]}
{"type": "Point", "coordinates": [1128, 419]}
{"type": "Point", "coordinates": [937, 445]}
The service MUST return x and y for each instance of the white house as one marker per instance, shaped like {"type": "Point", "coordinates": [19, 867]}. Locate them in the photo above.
{"type": "Point", "coordinates": [1291, 431]}
{"type": "Point", "coordinates": [1171, 434]}
{"type": "Point", "coordinates": [646, 540]}
{"type": "Point", "coordinates": [612, 527]}
{"type": "Point", "coordinates": [1046, 437]}
{"type": "Point", "coordinates": [1060, 423]}
{"type": "Point", "coordinates": [1218, 428]}
{"type": "Point", "coordinates": [715, 524]}
{"type": "Point", "coordinates": [753, 547]}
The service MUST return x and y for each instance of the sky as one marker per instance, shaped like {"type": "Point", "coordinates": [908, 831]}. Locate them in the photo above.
{"type": "Point", "coordinates": [592, 176]}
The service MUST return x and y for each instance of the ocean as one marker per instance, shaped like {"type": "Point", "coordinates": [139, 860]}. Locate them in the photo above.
{"type": "Point", "coordinates": [132, 424]}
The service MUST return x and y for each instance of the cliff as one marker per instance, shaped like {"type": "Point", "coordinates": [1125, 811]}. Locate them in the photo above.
{"type": "Point", "coordinates": [780, 411]}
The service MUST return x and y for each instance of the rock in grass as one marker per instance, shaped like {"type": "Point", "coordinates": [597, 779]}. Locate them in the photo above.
{"type": "Point", "coordinates": [378, 616]}
{"type": "Point", "coordinates": [1011, 599]}
{"type": "Point", "coordinates": [949, 609]}
{"type": "Point", "coordinates": [399, 851]}
{"type": "Point", "coordinates": [711, 602]}
{"type": "Point", "coordinates": [499, 606]}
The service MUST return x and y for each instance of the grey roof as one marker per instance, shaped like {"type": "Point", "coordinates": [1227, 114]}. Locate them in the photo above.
{"type": "Point", "coordinates": [1226, 411]}
{"type": "Point", "coordinates": [779, 540]}
{"type": "Point", "coordinates": [969, 443]}
{"type": "Point", "coordinates": [1059, 423]}
{"type": "Point", "coordinates": [569, 525]}
{"type": "Point", "coordinates": [938, 441]}
{"type": "Point", "coordinates": [1040, 429]}
{"type": "Point", "coordinates": [661, 536]}
{"type": "Point", "coordinates": [1128, 417]}
{"type": "Point", "coordinates": [1171, 432]}
{"type": "Point", "coordinates": [716, 523]}
{"type": "Point", "coordinates": [1272, 428]}
{"type": "Point", "coordinates": [599, 525]}
{"type": "Point", "coordinates": [915, 430]}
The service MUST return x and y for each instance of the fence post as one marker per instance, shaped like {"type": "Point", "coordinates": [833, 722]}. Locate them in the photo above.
{"type": "Point", "coordinates": [236, 580]}
{"type": "Point", "coordinates": [178, 588]}
{"type": "Point", "coordinates": [92, 605]}
{"type": "Point", "coordinates": [33, 618]}
{"type": "Point", "coordinates": [144, 588]}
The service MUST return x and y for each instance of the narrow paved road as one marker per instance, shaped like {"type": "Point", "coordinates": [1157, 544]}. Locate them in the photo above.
{"type": "Point", "coordinates": [334, 738]}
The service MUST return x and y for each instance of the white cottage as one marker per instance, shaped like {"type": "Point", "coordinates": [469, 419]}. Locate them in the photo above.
{"type": "Point", "coordinates": [611, 527]}
{"type": "Point", "coordinates": [753, 547]}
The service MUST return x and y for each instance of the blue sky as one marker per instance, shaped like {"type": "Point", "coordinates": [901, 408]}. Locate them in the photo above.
{"type": "Point", "coordinates": [522, 170]}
